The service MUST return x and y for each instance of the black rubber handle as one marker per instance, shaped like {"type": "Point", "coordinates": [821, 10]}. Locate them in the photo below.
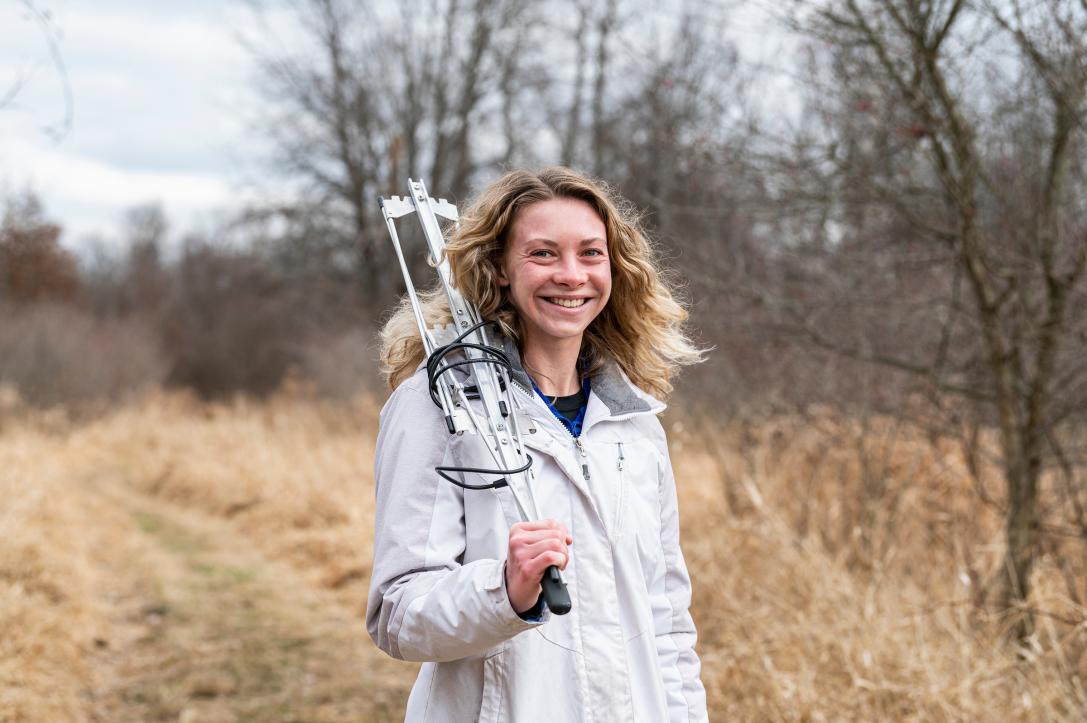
{"type": "Point", "coordinates": [555, 593]}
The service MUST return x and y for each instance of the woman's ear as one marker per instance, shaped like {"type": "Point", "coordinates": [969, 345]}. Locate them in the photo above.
{"type": "Point", "coordinates": [500, 274]}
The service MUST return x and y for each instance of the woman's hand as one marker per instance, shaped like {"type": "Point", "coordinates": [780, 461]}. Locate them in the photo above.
{"type": "Point", "coordinates": [533, 547]}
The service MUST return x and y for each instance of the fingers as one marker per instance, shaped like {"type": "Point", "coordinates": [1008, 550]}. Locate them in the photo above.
{"type": "Point", "coordinates": [530, 568]}
{"type": "Point", "coordinates": [533, 547]}
{"type": "Point", "coordinates": [534, 558]}
{"type": "Point", "coordinates": [531, 540]}
{"type": "Point", "coordinates": [536, 525]}
{"type": "Point", "coordinates": [541, 528]}
{"type": "Point", "coordinates": [541, 562]}
{"type": "Point", "coordinates": [533, 550]}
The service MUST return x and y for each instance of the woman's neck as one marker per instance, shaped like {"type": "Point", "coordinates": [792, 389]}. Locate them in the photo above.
{"type": "Point", "coordinates": [553, 367]}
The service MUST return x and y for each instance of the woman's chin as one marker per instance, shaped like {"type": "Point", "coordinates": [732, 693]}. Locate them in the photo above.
{"type": "Point", "coordinates": [552, 333]}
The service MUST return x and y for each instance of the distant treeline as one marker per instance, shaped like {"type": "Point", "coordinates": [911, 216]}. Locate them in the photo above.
{"type": "Point", "coordinates": [215, 318]}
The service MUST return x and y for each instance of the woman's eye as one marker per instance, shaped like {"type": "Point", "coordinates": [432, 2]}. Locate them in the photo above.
{"type": "Point", "coordinates": [594, 252]}
{"type": "Point", "coordinates": [541, 253]}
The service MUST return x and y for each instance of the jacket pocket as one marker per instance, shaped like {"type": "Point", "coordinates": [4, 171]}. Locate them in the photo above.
{"type": "Point", "coordinates": [495, 682]}
{"type": "Point", "coordinates": [633, 506]}
{"type": "Point", "coordinates": [620, 493]}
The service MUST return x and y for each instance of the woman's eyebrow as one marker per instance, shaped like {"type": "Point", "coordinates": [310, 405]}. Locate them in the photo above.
{"type": "Point", "coordinates": [549, 242]}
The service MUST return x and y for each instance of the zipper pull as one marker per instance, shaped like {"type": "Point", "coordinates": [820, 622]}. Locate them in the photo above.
{"type": "Point", "coordinates": [584, 466]}
{"type": "Point", "coordinates": [621, 458]}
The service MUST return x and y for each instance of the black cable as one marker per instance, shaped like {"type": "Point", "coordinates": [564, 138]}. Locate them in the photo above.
{"type": "Point", "coordinates": [437, 366]}
{"type": "Point", "coordinates": [460, 363]}
{"type": "Point", "coordinates": [497, 484]}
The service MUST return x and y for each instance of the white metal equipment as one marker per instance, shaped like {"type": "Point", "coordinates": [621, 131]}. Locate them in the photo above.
{"type": "Point", "coordinates": [466, 344]}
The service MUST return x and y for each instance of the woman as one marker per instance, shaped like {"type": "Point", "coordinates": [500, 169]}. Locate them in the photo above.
{"type": "Point", "coordinates": [593, 334]}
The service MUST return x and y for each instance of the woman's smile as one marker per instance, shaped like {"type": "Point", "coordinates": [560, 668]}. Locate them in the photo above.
{"type": "Point", "coordinates": [567, 303]}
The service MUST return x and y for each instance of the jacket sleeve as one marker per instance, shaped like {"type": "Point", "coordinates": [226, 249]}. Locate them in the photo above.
{"type": "Point", "coordinates": [425, 603]}
{"type": "Point", "coordinates": [671, 599]}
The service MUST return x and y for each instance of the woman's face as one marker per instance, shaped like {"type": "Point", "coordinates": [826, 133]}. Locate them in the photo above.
{"type": "Point", "coordinates": [557, 269]}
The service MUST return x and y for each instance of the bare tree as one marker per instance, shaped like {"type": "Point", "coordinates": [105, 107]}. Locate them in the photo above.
{"type": "Point", "coordinates": [146, 283]}
{"type": "Point", "coordinates": [386, 94]}
{"type": "Point", "coordinates": [51, 36]}
{"type": "Point", "coordinates": [458, 90]}
{"type": "Point", "coordinates": [939, 183]}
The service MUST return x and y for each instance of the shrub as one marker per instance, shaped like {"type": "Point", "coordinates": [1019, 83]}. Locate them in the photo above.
{"type": "Point", "coordinates": [53, 354]}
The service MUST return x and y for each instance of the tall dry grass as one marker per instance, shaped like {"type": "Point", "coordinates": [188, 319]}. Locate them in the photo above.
{"type": "Point", "coordinates": [50, 590]}
{"type": "Point", "coordinates": [294, 473]}
{"type": "Point", "coordinates": [805, 613]}
{"type": "Point", "coordinates": [835, 564]}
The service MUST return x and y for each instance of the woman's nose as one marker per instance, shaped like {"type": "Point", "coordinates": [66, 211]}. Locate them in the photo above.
{"type": "Point", "coordinates": [570, 273]}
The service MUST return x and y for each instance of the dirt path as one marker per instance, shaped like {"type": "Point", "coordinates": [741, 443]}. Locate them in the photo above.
{"type": "Point", "coordinates": [206, 630]}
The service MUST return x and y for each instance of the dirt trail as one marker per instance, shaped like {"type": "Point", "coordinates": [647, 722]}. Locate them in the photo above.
{"type": "Point", "coordinates": [206, 630]}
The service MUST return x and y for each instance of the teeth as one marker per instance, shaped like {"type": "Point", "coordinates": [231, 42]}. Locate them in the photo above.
{"type": "Point", "coordinates": [568, 303]}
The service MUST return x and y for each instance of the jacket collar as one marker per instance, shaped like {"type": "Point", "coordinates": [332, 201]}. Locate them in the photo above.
{"type": "Point", "coordinates": [609, 383]}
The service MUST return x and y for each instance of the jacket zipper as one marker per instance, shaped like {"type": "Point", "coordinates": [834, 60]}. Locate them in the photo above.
{"type": "Point", "coordinates": [577, 440]}
{"type": "Point", "coordinates": [585, 467]}
{"type": "Point", "coordinates": [581, 448]}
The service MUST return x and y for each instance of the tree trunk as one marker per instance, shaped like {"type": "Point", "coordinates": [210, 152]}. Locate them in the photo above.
{"type": "Point", "coordinates": [1020, 533]}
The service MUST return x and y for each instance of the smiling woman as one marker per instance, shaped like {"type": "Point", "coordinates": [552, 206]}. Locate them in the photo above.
{"type": "Point", "coordinates": [592, 333]}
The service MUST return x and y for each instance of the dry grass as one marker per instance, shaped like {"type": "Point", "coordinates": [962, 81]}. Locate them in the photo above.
{"type": "Point", "coordinates": [834, 565]}
{"type": "Point", "coordinates": [841, 584]}
{"type": "Point", "coordinates": [49, 602]}
{"type": "Point", "coordinates": [293, 473]}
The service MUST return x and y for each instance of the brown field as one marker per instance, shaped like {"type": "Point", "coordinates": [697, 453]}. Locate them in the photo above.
{"type": "Point", "coordinates": [173, 560]}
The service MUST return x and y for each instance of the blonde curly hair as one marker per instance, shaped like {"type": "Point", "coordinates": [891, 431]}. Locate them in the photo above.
{"type": "Point", "coordinates": [641, 327]}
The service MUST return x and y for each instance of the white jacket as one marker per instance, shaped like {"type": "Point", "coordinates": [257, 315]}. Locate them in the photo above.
{"type": "Point", "coordinates": [437, 593]}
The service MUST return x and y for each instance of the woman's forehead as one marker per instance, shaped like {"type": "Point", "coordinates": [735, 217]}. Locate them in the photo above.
{"type": "Point", "coordinates": [558, 220]}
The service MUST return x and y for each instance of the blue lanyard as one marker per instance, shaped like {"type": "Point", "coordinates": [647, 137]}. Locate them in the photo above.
{"type": "Point", "coordinates": [574, 426]}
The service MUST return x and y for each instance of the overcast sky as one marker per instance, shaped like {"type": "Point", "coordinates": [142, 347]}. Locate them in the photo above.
{"type": "Point", "coordinates": [160, 99]}
{"type": "Point", "coordinates": [162, 94]}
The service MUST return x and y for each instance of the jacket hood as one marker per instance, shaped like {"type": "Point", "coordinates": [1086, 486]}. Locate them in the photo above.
{"type": "Point", "coordinates": [609, 383]}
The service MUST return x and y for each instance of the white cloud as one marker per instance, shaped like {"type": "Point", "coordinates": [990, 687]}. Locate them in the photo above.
{"type": "Point", "coordinates": [93, 181]}
{"type": "Point", "coordinates": [142, 30]}
{"type": "Point", "coordinates": [160, 90]}
{"type": "Point", "coordinates": [88, 197]}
